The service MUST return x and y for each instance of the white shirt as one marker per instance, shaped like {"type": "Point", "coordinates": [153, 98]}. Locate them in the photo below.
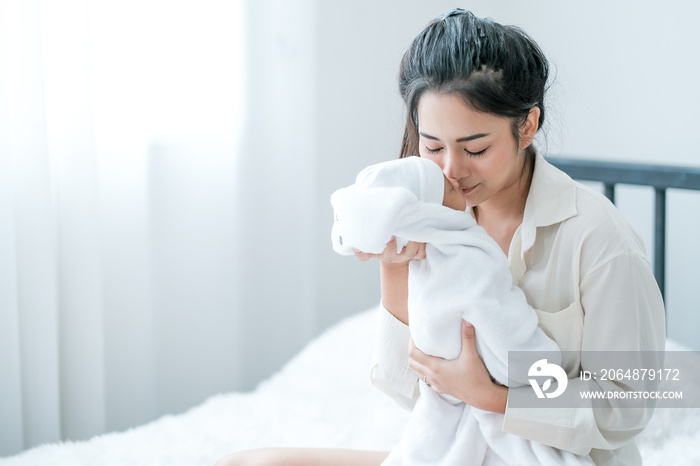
{"type": "Point", "coordinates": [585, 271]}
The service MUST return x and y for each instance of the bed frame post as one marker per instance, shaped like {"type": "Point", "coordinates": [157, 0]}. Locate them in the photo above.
{"type": "Point", "coordinates": [660, 238]}
{"type": "Point", "coordinates": [610, 191]}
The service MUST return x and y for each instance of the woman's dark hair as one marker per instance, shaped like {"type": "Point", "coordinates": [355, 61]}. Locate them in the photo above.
{"type": "Point", "coordinates": [497, 69]}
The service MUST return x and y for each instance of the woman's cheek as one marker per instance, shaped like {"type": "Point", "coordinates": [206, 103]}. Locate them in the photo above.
{"type": "Point", "coordinates": [432, 157]}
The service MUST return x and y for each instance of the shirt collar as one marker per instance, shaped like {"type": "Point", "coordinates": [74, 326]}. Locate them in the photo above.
{"type": "Point", "coordinates": [551, 200]}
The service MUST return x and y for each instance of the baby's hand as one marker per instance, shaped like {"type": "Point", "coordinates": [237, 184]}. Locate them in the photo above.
{"type": "Point", "coordinates": [412, 250]}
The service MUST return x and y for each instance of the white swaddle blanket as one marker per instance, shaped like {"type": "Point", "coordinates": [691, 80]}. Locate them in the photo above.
{"type": "Point", "coordinates": [465, 276]}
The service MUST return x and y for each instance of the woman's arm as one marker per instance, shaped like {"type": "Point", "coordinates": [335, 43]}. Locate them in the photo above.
{"type": "Point", "coordinates": [390, 371]}
{"type": "Point", "coordinates": [393, 273]}
{"type": "Point", "coordinates": [394, 289]}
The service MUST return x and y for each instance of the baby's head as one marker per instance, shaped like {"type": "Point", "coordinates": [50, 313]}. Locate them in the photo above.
{"type": "Point", "coordinates": [387, 195]}
{"type": "Point", "coordinates": [421, 176]}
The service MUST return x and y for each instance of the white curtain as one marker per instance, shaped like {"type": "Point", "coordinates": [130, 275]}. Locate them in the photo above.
{"type": "Point", "coordinates": [119, 129]}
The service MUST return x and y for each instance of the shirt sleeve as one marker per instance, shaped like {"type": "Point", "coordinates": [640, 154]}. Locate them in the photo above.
{"type": "Point", "coordinates": [623, 311]}
{"type": "Point", "coordinates": [390, 371]}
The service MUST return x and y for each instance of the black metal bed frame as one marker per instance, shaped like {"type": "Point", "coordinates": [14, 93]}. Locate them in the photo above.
{"type": "Point", "coordinates": [659, 177]}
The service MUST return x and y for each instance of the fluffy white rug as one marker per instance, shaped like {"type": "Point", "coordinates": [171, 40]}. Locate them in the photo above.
{"type": "Point", "coordinates": [322, 398]}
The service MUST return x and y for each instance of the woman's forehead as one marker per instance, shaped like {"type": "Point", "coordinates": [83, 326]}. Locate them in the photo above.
{"type": "Point", "coordinates": [442, 115]}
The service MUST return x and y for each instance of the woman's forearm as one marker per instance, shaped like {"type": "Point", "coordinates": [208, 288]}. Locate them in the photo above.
{"type": "Point", "coordinates": [394, 289]}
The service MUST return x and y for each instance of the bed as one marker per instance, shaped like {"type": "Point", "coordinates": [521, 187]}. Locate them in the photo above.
{"type": "Point", "coordinates": [323, 398]}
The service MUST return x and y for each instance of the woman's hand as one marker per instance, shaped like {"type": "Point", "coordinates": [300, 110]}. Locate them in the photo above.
{"type": "Point", "coordinates": [412, 250]}
{"type": "Point", "coordinates": [465, 378]}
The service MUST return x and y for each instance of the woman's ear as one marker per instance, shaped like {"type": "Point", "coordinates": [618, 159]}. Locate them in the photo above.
{"type": "Point", "coordinates": [529, 129]}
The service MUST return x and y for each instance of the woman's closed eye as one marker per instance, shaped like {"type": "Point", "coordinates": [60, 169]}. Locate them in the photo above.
{"type": "Point", "coordinates": [430, 150]}
{"type": "Point", "coordinates": [475, 154]}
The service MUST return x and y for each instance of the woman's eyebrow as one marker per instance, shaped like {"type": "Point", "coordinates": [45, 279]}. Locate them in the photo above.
{"type": "Point", "coordinates": [464, 139]}
{"type": "Point", "coordinates": [472, 137]}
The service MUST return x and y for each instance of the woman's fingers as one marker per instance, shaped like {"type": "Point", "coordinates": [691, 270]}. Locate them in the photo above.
{"type": "Point", "coordinates": [466, 377]}
{"type": "Point", "coordinates": [468, 341]}
{"type": "Point", "coordinates": [421, 251]}
{"type": "Point", "coordinates": [390, 255]}
{"type": "Point", "coordinates": [421, 371]}
{"type": "Point", "coordinates": [364, 256]}
{"type": "Point", "coordinates": [426, 367]}
{"type": "Point", "coordinates": [410, 251]}
{"type": "Point", "coordinates": [420, 357]}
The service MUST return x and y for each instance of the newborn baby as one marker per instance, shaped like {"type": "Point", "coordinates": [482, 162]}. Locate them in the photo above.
{"type": "Point", "coordinates": [464, 276]}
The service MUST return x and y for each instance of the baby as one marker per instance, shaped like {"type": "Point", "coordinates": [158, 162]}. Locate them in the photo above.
{"type": "Point", "coordinates": [464, 276]}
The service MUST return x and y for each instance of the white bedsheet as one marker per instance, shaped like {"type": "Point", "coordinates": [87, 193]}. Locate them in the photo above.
{"type": "Point", "coordinates": [321, 398]}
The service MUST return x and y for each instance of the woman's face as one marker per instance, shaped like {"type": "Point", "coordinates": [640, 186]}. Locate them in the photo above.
{"type": "Point", "coordinates": [475, 149]}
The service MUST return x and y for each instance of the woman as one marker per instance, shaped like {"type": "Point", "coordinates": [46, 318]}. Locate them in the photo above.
{"type": "Point", "coordinates": [474, 91]}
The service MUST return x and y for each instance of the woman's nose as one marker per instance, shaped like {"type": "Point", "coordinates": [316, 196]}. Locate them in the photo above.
{"type": "Point", "coordinates": [455, 165]}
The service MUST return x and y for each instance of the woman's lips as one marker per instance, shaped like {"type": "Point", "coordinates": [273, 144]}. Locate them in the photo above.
{"type": "Point", "coordinates": [468, 190]}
